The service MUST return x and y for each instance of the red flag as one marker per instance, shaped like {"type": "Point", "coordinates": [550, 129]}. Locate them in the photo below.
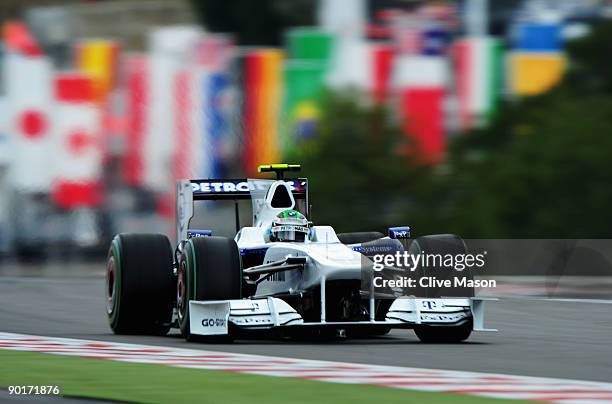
{"type": "Point", "coordinates": [18, 39]}
{"type": "Point", "coordinates": [382, 59]}
{"type": "Point", "coordinates": [422, 82]}
{"type": "Point", "coordinates": [423, 109]}
{"type": "Point", "coordinates": [137, 99]}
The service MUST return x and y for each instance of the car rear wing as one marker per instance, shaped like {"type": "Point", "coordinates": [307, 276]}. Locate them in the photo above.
{"type": "Point", "coordinates": [188, 191]}
{"type": "Point", "coordinates": [237, 189]}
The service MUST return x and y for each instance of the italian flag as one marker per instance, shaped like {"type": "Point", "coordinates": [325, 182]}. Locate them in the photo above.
{"type": "Point", "coordinates": [479, 82]}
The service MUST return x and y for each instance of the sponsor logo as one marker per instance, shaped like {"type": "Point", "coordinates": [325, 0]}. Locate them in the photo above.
{"type": "Point", "coordinates": [213, 322]}
{"type": "Point", "coordinates": [228, 187]}
{"type": "Point", "coordinates": [294, 227]}
{"type": "Point", "coordinates": [220, 186]}
{"type": "Point", "coordinates": [399, 232]}
{"type": "Point", "coordinates": [443, 317]}
{"type": "Point", "coordinates": [277, 277]}
{"type": "Point", "coordinates": [429, 304]}
{"type": "Point", "coordinates": [198, 233]}
{"type": "Point", "coordinates": [253, 251]}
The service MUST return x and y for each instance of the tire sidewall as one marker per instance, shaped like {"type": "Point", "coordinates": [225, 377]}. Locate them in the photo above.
{"type": "Point", "coordinates": [143, 284]}
{"type": "Point", "coordinates": [200, 263]}
{"type": "Point", "coordinates": [115, 254]}
{"type": "Point", "coordinates": [187, 269]}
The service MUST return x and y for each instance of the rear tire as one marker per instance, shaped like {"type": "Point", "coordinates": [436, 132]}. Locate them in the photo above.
{"type": "Point", "coordinates": [359, 237]}
{"type": "Point", "coordinates": [140, 284]}
{"type": "Point", "coordinates": [209, 269]}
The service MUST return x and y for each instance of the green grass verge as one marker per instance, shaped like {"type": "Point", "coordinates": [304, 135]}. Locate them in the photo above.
{"type": "Point", "coordinates": [103, 379]}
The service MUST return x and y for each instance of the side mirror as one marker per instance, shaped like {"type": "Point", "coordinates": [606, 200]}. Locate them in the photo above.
{"type": "Point", "coordinates": [398, 233]}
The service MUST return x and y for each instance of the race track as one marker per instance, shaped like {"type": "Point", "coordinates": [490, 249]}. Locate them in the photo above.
{"type": "Point", "coordinates": [536, 338]}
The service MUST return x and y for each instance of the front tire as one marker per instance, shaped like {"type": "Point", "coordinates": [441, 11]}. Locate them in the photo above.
{"type": "Point", "coordinates": [444, 334]}
{"type": "Point", "coordinates": [140, 284]}
{"type": "Point", "coordinates": [209, 269]}
{"type": "Point", "coordinates": [443, 244]}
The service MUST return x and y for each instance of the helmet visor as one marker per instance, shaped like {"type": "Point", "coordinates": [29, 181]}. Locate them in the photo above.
{"type": "Point", "coordinates": [290, 233]}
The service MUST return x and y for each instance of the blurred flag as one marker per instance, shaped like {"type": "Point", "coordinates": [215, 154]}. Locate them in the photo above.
{"type": "Point", "coordinates": [350, 65]}
{"type": "Point", "coordinates": [193, 147]}
{"type": "Point", "coordinates": [99, 59]}
{"type": "Point", "coordinates": [535, 73]}
{"type": "Point", "coordinates": [422, 83]}
{"type": "Point", "coordinates": [311, 53]}
{"type": "Point", "coordinates": [30, 120]}
{"type": "Point", "coordinates": [77, 147]}
{"type": "Point", "coordinates": [270, 102]}
{"type": "Point", "coordinates": [405, 31]}
{"type": "Point", "coordinates": [250, 142]}
{"type": "Point", "coordinates": [214, 54]}
{"type": "Point", "coordinates": [171, 49]}
{"type": "Point", "coordinates": [201, 122]}
{"type": "Point", "coordinates": [435, 38]}
{"type": "Point", "coordinates": [17, 38]}
{"type": "Point", "coordinates": [137, 94]}
{"type": "Point", "coordinates": [303, 90]}
{"type": "Point", "coordinates": [537, 62]}
{"type": "Point", "coordinates": [347, 21]}
{"type": "Point", "coordinates": [262, 104]}
{"type": "Point", "coordinates": [217, 115]}
{"type": "Point", "coordinates": [382, 63]}
{"type": "Point", "coordinates": [478, 73]}
{"type": "Point", "coordinates": [4, 145]}
{"type": "Point", "coordinates": [363, 66]}
{"type": "Point", "coordinates": [310, 44]}
{"type": "Point", "coordinates": [538, 37]}
{"type": "Point", "coordinates": [214, 51]}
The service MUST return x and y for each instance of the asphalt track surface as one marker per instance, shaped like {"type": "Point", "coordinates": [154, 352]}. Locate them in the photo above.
{"type": "Point", "coordinates": [536, 337]}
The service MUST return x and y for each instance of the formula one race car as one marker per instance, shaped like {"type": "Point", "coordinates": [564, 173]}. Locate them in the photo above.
{"type": "Point", "coordinates": [282, 275]}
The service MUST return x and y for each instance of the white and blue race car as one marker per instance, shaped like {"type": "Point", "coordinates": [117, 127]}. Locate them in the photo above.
{"type": "Point", "coordinates": [281, 275]}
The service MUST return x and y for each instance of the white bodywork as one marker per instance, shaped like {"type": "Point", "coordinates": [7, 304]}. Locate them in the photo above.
{"type": "Point", "coordinates": [214, 317]}
{"type": "Point", "coordinates": [326, 259]}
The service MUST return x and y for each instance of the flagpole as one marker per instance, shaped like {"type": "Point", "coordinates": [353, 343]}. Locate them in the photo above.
{"type": "Point", "coordinates": [476, 17]}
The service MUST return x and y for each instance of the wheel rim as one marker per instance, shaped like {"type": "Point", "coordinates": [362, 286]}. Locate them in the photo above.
{"type": "Point", "coordinates": [181, 291]}
{"type": "Point", "coordinates": [111, 285]}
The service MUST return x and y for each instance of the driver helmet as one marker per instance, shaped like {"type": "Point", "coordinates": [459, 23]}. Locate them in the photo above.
{"type": "Point", "coordinates": [289, 225]}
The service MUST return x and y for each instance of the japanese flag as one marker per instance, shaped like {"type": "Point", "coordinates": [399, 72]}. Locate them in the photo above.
{"type": "Point", "coordinates": [29, 100]}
